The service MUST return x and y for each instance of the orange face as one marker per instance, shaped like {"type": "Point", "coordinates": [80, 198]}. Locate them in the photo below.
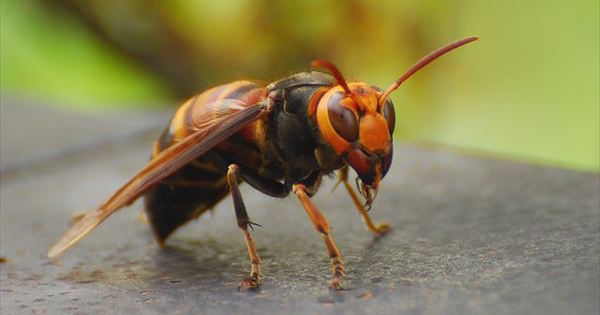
{"type": "Point", "coordinates": [358, 129]}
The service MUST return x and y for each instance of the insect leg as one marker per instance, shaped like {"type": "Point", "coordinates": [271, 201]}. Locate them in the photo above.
{"type": "Point", "coordinates": [379, 228]}
{"type": "Point", "coordinates": [267, 186]}
{"type": "Point", "coordinates": [243, 223]}
{"type": "Point", "coordinates": [322, 226]}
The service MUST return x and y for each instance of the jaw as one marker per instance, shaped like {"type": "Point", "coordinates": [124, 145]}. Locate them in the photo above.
{"type": "Point", "coordinates": [369, 192]}
{"type": "Point", "coordinates": [368, 167]}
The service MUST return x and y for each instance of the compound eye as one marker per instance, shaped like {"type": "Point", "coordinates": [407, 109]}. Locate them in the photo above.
{"type": "Point", "coordinates": [343, 119]}
{"type": "Point", "coordinates": [387, 161]}
{"type": "Point", "coordinates": [390, 115]}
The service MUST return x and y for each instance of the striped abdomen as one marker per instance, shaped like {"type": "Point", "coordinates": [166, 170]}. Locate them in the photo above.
{"type": "Point", "coordinates": [199, 185]}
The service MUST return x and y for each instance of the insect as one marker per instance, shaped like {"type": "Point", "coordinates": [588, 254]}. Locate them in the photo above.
{"type": "Point", "coordinates": [279, 138]}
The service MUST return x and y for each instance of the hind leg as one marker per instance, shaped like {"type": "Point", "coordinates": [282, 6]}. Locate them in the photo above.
{"type": "Point", "coordinates": [243, 223]}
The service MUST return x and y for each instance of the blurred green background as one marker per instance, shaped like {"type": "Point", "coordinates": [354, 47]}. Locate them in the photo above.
{"type": "Point", "coordinates": [529, 89]}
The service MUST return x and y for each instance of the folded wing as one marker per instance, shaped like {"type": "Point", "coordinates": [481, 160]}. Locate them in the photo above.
{"type": "Point", "coordinates": [164, 164]}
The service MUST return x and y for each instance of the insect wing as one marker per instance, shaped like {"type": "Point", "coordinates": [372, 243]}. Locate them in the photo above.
{"type": "Point", "coordinates": [164, 164]}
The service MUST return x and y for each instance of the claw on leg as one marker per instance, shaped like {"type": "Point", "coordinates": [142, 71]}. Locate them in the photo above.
{"type": "Point", "coordinates": [337, 265]}
{"type": "Point", "coordinates": [381, 228]}
{"type": "Point", "coordinates": [254, 280]}
{"type": "Point", "coordinates": [336, 282]}
{"type": "Point", "coordinates": [249, 284]}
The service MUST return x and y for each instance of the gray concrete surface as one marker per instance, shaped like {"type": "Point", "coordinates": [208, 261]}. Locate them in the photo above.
{"type": "Point", "coordinates": [470, 235]}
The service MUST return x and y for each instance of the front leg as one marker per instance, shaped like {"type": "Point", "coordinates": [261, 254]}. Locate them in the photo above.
{"type": "Point", "coordinates": [377, 229]}
{"type": "Point", "coordinates": [321, 224]}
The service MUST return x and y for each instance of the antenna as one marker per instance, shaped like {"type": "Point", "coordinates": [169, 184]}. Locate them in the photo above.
{"type": "Point", "coordinates": [334, 70]}
{"type": "Point", "coordinates": [422, 63]}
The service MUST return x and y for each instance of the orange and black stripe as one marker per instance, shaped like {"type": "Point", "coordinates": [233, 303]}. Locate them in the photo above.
{"type": "Point", "coordinates": [202, 183]}
{"type": "Point", "coordinates": [206, 107]}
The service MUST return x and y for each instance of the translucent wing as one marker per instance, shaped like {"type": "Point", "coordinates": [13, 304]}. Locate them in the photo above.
{"type": "Point", "coordinates": [206, 136]}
